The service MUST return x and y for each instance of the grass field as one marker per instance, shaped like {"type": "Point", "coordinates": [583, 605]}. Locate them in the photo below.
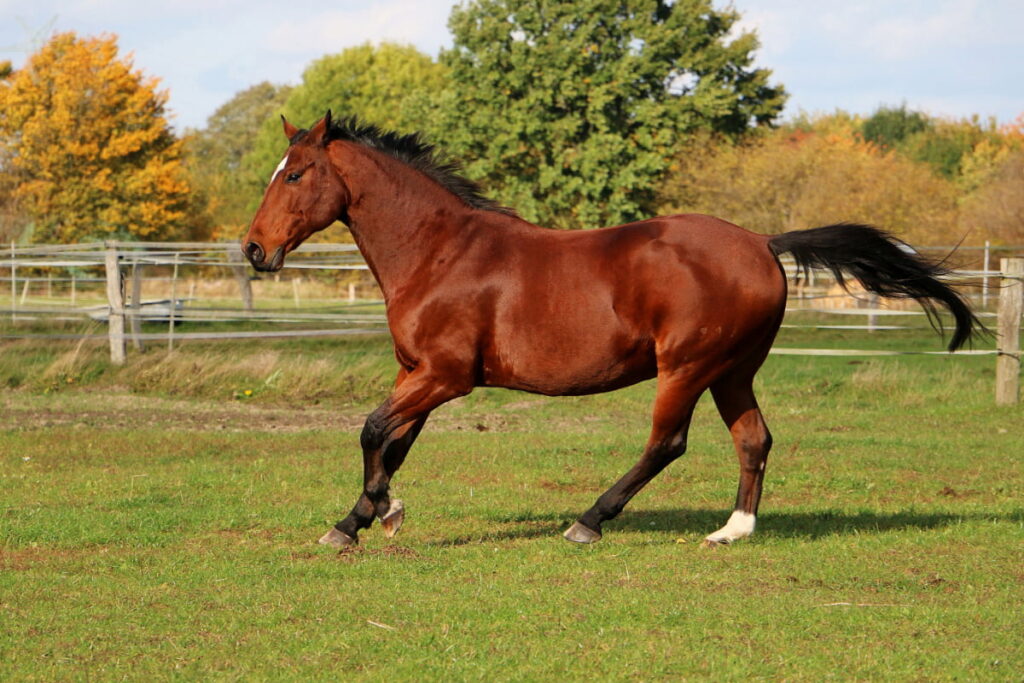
{"type": "Point", "coordinates": [159, 521]}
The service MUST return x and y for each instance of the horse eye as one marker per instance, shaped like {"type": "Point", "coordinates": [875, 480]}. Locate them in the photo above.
{"type": "Point", "coordinates": [292, 177]}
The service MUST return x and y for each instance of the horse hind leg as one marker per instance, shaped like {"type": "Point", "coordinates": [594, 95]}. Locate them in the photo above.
{"type": "Point", "coordinates": [738, 407]}
{"type": "Point", "coordinates": [673, 409]}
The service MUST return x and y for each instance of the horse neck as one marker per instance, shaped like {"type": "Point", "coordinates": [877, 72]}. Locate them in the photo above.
{"type": "Point", "coordinates": [400, 218]}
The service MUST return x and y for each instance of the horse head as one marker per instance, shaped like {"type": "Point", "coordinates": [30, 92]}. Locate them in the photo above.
{"type": "Point", "coordinates": [305, 195]}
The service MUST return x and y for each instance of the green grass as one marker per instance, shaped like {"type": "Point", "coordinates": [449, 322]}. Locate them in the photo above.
{"type": "Point", "coordinates": [153, 531]}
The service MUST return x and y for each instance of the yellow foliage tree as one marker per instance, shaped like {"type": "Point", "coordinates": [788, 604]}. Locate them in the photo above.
{"type": "Point", "coordinates": [996, 208]}
{"type": "Point", "coordinates": [90, 146]}
{"type": "Point", "coordinates": [788, 180]}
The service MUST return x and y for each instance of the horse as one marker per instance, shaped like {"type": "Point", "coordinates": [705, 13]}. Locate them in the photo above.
{"type": "Point", "coordinates": [477, 296]}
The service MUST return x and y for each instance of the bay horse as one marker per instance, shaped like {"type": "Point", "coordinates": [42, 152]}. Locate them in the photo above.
{"type": "Point", "coordinates": [477, 296]}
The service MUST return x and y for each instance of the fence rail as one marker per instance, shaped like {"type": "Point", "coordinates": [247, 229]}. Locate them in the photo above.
{"type": "Point", "coordinates": [89, 281]}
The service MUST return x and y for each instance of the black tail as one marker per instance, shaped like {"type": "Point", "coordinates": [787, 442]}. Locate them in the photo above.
{"type": "Point", "coordinates": [884, 265]}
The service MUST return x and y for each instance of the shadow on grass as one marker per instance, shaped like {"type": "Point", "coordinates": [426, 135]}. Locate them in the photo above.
{"type": "Point", "coordinates": [808, 525]}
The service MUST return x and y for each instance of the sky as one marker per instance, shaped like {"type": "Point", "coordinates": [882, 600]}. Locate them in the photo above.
{"type": "Point", "coordinates": [952, 58]}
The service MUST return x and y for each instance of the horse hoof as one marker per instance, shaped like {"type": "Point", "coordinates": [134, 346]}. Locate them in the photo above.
{"type": "Point", "coordinates": [337, 539]}
{"type": "Point", "coordinates": [392, 520]}
{"type": "Point", "coordinates": [578, 533]}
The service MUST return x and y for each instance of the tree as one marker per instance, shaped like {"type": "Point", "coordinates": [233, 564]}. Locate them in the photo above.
{"type": "Point", "coordinates": [572, 111]}
{"type": "Point", "coordinates": [214, 155]}
{"type": "Point", "coordinates": [889, 126]}
{"type": "Point", "coordinates": [996, 208]}
{"type": "Point", "coordinates": [944, 144]}
{"type": "Point", "coordinates": [90, 145]}
{"type": "Point", "coordinates": [12, 218]}
{"type": "Point", "coordinates": [386, 85]}
{"type": "Point", "coordinates": [791, 180]}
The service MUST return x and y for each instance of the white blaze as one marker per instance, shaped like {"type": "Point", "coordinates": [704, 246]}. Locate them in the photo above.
{"type": "Point", "coordinates": [280, 167]}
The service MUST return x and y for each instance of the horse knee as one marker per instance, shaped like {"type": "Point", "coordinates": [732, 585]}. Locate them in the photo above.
{"type": "Point", "coordinates": [373, 434]}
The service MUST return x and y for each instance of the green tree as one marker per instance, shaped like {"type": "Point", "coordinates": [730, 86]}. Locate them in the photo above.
{"type": "Point", "coordinates": [90, 146]}
{"type": "Point", "coordinates": [572, 111]}
{"type": "Point", "coordinates": [214, 156]}
{"type": "Point", "coordinates": [387, 85]}
{"type": "Point", "coordinates": [943, 144]}
{"type": "Point", "coordinates": [946, 144]}
{"type": "Point", "coordinates": [889, 126]}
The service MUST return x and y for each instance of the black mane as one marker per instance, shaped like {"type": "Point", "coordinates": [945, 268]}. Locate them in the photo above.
{"type": "Point", "coordinates": [413, 151]}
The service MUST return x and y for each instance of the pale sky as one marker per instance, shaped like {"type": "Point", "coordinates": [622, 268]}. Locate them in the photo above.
{"type": "Point", "coordinates": [945, 57]}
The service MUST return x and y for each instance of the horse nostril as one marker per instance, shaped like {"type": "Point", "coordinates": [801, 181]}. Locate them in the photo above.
{"type": "Point", "coordinates": [254, 251]}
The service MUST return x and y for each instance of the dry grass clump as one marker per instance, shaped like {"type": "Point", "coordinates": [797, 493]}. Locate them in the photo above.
{"type": "Point", "coordinates": [263, 374]}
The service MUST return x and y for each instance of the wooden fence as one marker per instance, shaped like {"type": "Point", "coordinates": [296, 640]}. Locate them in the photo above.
{"type": "Point", "coordinates": [107, 282]}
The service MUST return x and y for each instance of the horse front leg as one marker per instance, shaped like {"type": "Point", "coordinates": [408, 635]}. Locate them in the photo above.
{"type": "Point", "coordinates": [390, 511]}
{"type": "Point", "coordinates": [386, 438]}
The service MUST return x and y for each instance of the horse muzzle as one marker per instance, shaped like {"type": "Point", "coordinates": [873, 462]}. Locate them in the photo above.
{"type": "Point", "coordinates": [258, 257]}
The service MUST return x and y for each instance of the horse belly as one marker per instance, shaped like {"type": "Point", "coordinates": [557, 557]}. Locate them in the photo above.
{"type": "Point", "coordinates": [564, 360]}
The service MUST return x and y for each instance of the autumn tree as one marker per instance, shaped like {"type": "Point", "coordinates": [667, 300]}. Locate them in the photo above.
{"type": "Point", "coordinates": [790, 180]}
{"type": "Point", "coordinates": [944, 144]}
{"type": "Point", "coordinates": [13, 220]}
{"type": "Point", "coordinates": [996, 208]}
{"type": "Point", "coordinates": [214, 156]}
{"type": "Point", "coordinates": [385, 84]}
{"type": "Point", "coordinates": [994, 181]}
{"type": "Point", "coordinates": [570, 111]}
{"type": "Point", "coordinates": [90, 146]}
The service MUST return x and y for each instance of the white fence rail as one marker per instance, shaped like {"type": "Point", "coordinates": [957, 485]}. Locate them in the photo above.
{"type": "Point", "coordinates": [108, 282]}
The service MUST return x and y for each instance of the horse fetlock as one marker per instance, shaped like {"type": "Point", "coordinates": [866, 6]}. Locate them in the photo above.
{"type": "Point", "coordinates": [391, 521]}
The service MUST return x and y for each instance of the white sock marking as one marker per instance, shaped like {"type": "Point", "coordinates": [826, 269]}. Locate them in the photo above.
{"type": "Point", "coordinates": [740, 525]}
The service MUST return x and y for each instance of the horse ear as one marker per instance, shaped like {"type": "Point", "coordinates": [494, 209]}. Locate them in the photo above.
{"type": "Point", "coordinates": [289, 130]}
{"type": "Point", "coordinates": [318, 133]}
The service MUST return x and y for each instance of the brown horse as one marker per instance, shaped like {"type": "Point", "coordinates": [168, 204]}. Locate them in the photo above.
{"type": "Point", "coordinates": [477, 296]}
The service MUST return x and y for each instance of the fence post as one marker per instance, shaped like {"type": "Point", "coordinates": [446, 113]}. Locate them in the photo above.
{"type": "Point", "coordinates": [242, 277]}
{"type": "Point", "coordinates": [1011, 303]}
{"type": "Point", "coordinates": [984, 280]}
{"type": "Point", "coordinates": [174, 295]}
{"type": "Point", "coordinates": [115, 297]}
{"type": "Point", "coordinates": [14, 284]}
{"type": "Point", "coordinates": [136, 319]}
{"type": "Point", "coordinates": [873, 303]}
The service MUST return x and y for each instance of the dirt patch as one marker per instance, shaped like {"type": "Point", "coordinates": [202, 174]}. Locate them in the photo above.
{"type": "Point", "coordinates": [24, 559]}
{"type": "Point", "coordinates": [130, 411]}
{"type": "Point", "coordinates": [358, 552]}
{"type": "Point", "coordinates": [138, 412]}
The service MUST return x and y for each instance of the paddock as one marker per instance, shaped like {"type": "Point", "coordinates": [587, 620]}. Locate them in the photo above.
{"type": "Point", "coordinates": [180, 511]}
